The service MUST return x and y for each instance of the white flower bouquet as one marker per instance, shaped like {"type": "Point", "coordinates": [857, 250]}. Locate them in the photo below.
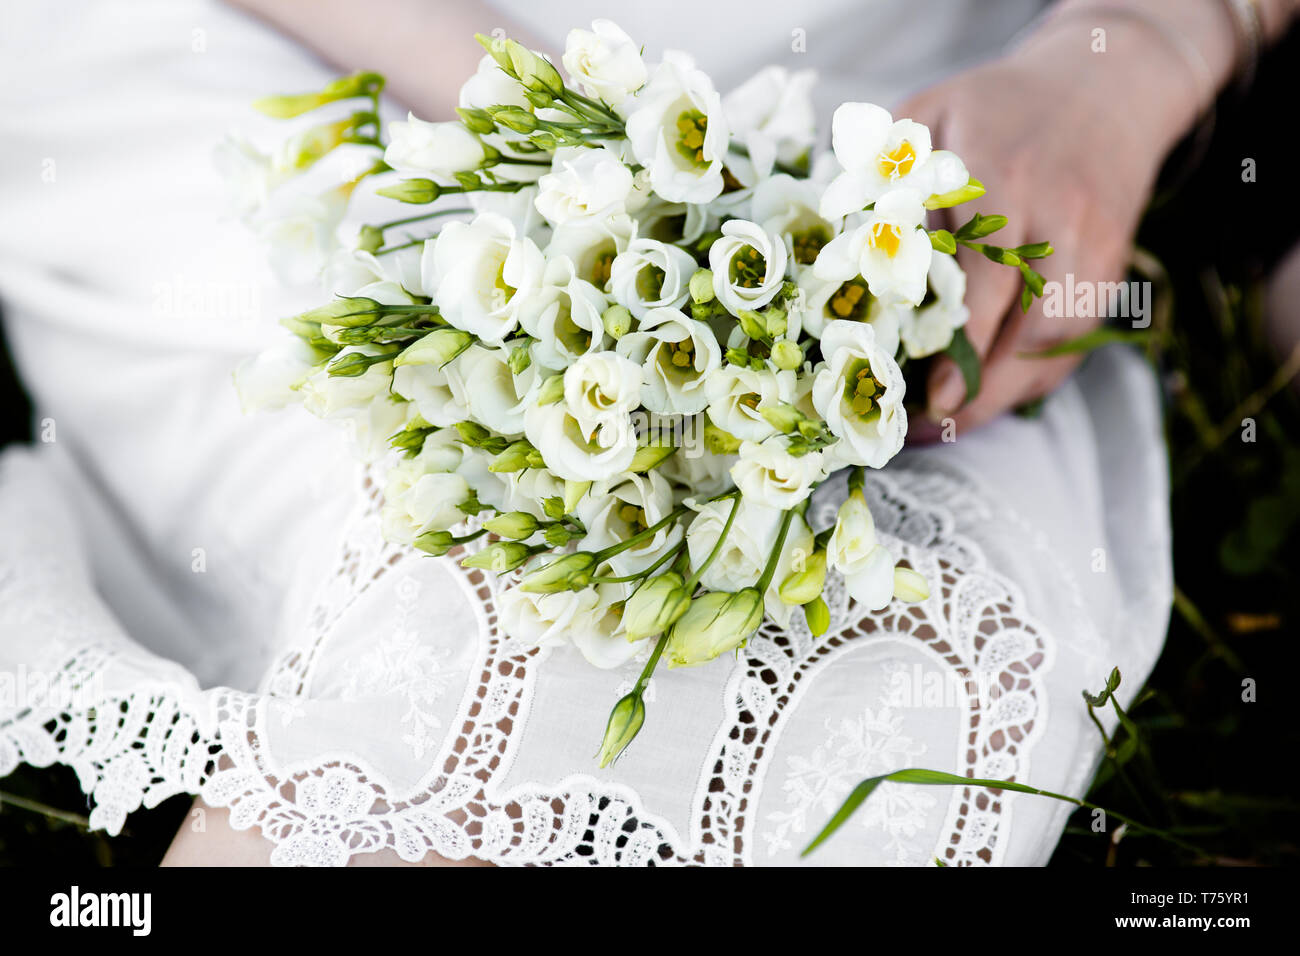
{"type": "Point", "coordinates": [633, 327]}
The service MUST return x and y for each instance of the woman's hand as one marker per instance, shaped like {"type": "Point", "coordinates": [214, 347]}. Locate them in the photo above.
{"type": "Point", "coordinates": [1068, 142]}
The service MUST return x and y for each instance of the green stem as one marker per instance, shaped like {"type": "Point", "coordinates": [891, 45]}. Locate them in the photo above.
{"type": "Point", "coordinates": [637, 538]}
{"type": "Point", "coordinates": [428, 215]}
{"type": "Point", "coordinates": [649, 669]}
{"type": "Point", "coordinates": [775, 557]}
{"type": "Point", "coordinates": [717, 545]}
{"type": "Point", "coordinates": [668, 556]}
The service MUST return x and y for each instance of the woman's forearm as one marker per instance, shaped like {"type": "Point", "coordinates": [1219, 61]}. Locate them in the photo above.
{"type": "Point", "coordinates": [424, 47]}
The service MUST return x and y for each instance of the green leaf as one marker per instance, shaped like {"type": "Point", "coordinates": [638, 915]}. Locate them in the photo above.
{"type": "Point", "coordinates": [963, 353]}
{"type": "Point", "coordinates": [943, 241]}
{"type": "Point", "coordinates": [1091, 340]}
{"type": "Point", "coordinates": [979, 226]}
{"type": "Point", "coordinates": [1035, 250]}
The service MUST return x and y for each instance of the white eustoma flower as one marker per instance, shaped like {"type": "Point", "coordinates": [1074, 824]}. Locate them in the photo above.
{"type": "Point", "coordinates": [592, 246]}
{"type": "Point", "coordinates": [545, 620]}
{"type": "Point", "coordinates": [428, 388]}
{"type": "Point", "coordinates": [487, 273]}
{"type": "Point", "coordinates": [678, 131]}
{"type": "Point", "coordinates": [584, 185]}
{"type": "Point", "coordinates": [614, 514]}
{"type": "Point", "coordinates": [248, 173]}
{"type": "Point", "coordinates": [565, 317]}
{"type": "Point", "coordinates": [602, 388]}
{"type": "Point", "coordinates": [768, 474]}
{"type": "Point", "coordinates": [745, 553]}
{"type": "Point", "coordinates": [854, 551]}
{"type": "Point", "coordinates": [858, 393]}
{"type": "Point", "coordinates": [929, 329]}
{"type": "Point", "coordinates": [737, 395]}
{"type": "Point", "coordinates": [748, 265]}
{"type": "Point", "coordinates": [890, 250]}
{"type": "Point", "coordinates": [651, 275]}
{"type": "Point", "coordinates": [577, 455]}
{"type": "Point", "coordinates": [821, 301]}
{"type": "Point", "coordinates": [703, 472]}
{"type": "Point", "coordinates": [772, 114]}
{"type": "Point", "coordinates": [789, 207]}
{"type": "Point", "coordinates": [491, 86]}
{"type": "Point", "coordinates": [432, 150]}
{"type": "Point", "coordinates": [480, 379]}
{"type": "Point", "coordinates": [604, 62]}
{"type": "Point", "coordinates": [330, 396]}
{"type": "Point", "coordinates": [272, 378]}
{"type": "Point", "coordinates": [677, 356]}
{"type": "Point", "coordinates": [419, 498]}
{"type": "Point", "coordinates": [879, 155]}
{"type": "Point", "coordinates": [528, 488]}
{"type": "Point", "coordinates": [599, 636]}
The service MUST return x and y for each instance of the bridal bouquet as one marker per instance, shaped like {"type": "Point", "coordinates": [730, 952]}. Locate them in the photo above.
{"type": "Point", "coordinates": [628, 328]}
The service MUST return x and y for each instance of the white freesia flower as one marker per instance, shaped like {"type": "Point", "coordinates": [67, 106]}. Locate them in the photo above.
{"type": "Point", "coordinates": [487, 273]}
{"type": "Point", "coordinates": [678, 131]}
{"type": "Point", "coordinates": [480, 379]}
{"type": "Point", "coordinates": [748, 266]}
{"type": "Point", "coordinates": [858, 392]}
{"type": "Point", "coordinates": [745, 553]}
{"type": "Point", "coordinates": [565, 318]}
{"type": "Point", "coordinates": [890, 250]}
{"type": "Point", "coordinates": [604, 62]}
{"type": "Point", "coordinates": [821, 301]}
{"type": "Point", "coordinates": [592, 246]}
{"type": "Point", "coordinates": [878, 155]}
{"type": "Point", "coordinates": [651, 275]}
{"type": "Point", "coordinates": [853, 550]}
{"type": "Point", "coordinates": [929, 329]}
{"type": "Point", "coordinates": [677, 356]}
{"type": "Point", "coordinates": [432, 150]}
{"type": "Point", "coordinates": [584, 185]}
{"type": "Point", "coordinates": [737, 394]}
{"type": "Point", "coordinates": [789, 207]}
{"type": "Point", "coordinates": [617, 513]}
{"type": "Point", "coordinates": [768, 474]}
{"type": "Point", "coordinates": [772, 114]}
{"type": "Point", "coordinates": [271, 379]}
{"type": "Point", "coordinates": [419, 498]}
{"type": "Point", "coordinates": [602, 388]}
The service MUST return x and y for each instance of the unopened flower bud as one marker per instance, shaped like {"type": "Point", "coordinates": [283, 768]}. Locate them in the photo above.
{"type": "Point", "coordinates": [569, 573]}
{"type": "Point", "coordinates": [617, 320]}
{"type": "Point", "coordinates": [655, 606]}
{"type": "Point", "coordinates": [435, 542]}
{"type": "Point", "coordinates": [786, 355]}
{"type": "Point", "coordinates": [435, 348]}
{"type": "Point", "coordinates": [499, 557]}
{"type": "Point", "coordinates": [648, 457]}
{"type": "Point", "coordinates": [910, 586]}
{"type": "Point", "coordinates": [714, 623]}
{"type": "Point", "coordinates": [625, 722]}
{"type": "Point", "coordinates": [516, 525]}
{"type": "Point", "coordinates": [803, 586]}
{"type": "Point", "coordinates": [412, 190]}
{"type": "Point", "coordinates": [702, 287]}
{"type": "Point", "coordinates": [818, 616]}
{"type": "Point", "coordinates": [476, 121]}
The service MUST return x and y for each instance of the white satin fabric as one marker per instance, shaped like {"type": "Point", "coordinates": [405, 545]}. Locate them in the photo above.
{"type": "Point", "coordinates": [192, 600]}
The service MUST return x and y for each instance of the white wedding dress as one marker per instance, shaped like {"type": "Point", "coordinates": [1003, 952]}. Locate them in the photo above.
{"type": "Point", "coordinates": [197, 601]}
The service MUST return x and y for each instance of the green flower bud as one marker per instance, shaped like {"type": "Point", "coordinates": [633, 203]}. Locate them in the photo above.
{"type": "Point", "coordinates": [535, 72]}
{"type": "Point", "coordinates": [552, 390]}
{"type": "Point", "coordinates": [520, 358]}
{"type": "Point", "coordinates": [573, 493]}
{"type": "Point", "coordinates": [370, 239]}
{"type": "Point", "coordinates": [435, 542]}
{"type": "Point", "coordinates": [972, 190]}
{"type": "Point", "coordinates": [655, 606]}
{"type": "Point", "coordinates": [752, 324]}
{"type": "Point", "coordinates": [517, 456]}
{"type": "Point", "coordinates": [476, 121]}
{"type": "Point", "coordinates": [344, 88]}
{"type": "Point", "coordinates": [352, 365]}
{"type": "Point", "coordinates": [910, 586]}
{"type": "Point", "coordinates": [570, 573]}
{"type": "Point", "coordinates": [420, 191]}
{"type": "Point", "coordinates": [648, 457]}
{"type": "Point", "coordinates": [786, 355]}
{"type": "Point", "coordinates": [617, 320]}
{"type": "Point", "coordinates": [774, 320]}
{"type": "Point", "coordinates": [720, 441]}
{"type": "Point", "coordinates": [496, 48]}
{"type": "Point", "coordinates": [803, 586]}
{"type": "Point", "coordinates": [818, 616]}
{"type": "Point", "coordinates": [557, 535]}
{"type": "Point", "coordinates": [435, 348]}
{"type": "Point", "coordinates": [515, 118]}
{"type": "Point", "coordinates": [513, 524]}
{"type": "Point", "coordinates": [714, 623]}
{"type": "Point", "coordinates": [344, 312]}
{"type": "Point", "coordinates": [499, 557]}
{"type": "Point", "coordinates": [702, 287]}
{"type": "Point", "coordinates": [625, 722]}
{"type": "Point", "coordinates": [783, 417]}
{"type": "Point", "coordinates": [554, 508]}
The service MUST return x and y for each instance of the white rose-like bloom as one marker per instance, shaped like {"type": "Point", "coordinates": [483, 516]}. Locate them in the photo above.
{"type": "Point", "coordinates": [584, 185]}
{"type": "Point", "coordinates": [678, 131]}
{"type": "Point", "coordinates": [432, 150]}
{"type": "Point", "coordinates": [333, 396]}
{"type": "Point", "coordinates": [651, 275]}
{"type": "Point", "coordinates": [768, 474]}
{"type": "Point", "coordinates": [545, 620]}
{"type": "Point", "coordinates": [271, 379]}
{"type": "Point", "coordinates": [615, 514]}
{"type": "Point", "coordinates": [429, 389]}
{"type": "Point", "coordinates": [890, 250]}
{"type": "Point", "coordinates": [858, 392]}
{"type": "Point", "coordinates": [749, 544]}
{"type": "Point", "coordinates": [565, 319]}
{"type": "Point", "coordinates": [592, 246]}
{"type": "Point", "coordinates": [601, 388]}
{"type": "Point", "coordinates": [677, 356]}
{"type": "Point", "coordinates": [419, 499]}
{"type": "Point", "coordinates": [853, 550]}
{"type": "Point", "coordinates": [491, 86]}
{"type": "Point", "coordinates": [929, 329]}
{"type": "Point", "coordinates": [487, 274]}
{"type": "Point", "coordinates": [528, 488]}
{"type": "Point", "coordinates": [481, 381]}
{"type": "Point", "coordinates": [599, 636]}
{"type": "Point", "coordinates": [704, 473]}
{"type": "Point", "coordinates": [772, 114]}
{"type": "Point", "coordinates": [604, 62]}
{"type": "Point", "coordinates": [737, 394]}
{"type": "Point", "coordinates": [603, 443]}
{"type": "Point", "coordinates": [748, 265]}
{"type": "Point", "coordinates": [877, 155]}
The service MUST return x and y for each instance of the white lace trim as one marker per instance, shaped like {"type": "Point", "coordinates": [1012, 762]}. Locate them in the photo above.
{"type": "Point", "coordinates": [138, 749]}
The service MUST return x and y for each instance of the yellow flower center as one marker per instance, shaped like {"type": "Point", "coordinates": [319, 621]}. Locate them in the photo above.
{"type": "Point", "coordinates": [862, 390]}
{"type": "Point", "coordinates": [692, 125]}
{"type": "Point", "coordinates": [886, 237]}
{"type": "Point", "coordinates": [748, 268]}
{"type": "Point", "coordinates": [634, 516]}
{"type": "Point", "coordinates": [680, 356]}
{"type": "Point", "coordinates": [898, 161]}
{"type": "Point", "coordinates": [850, 301]}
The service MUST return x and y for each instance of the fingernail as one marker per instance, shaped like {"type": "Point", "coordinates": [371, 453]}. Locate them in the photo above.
{"type": "Point", "coordinates": [947, 394]}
